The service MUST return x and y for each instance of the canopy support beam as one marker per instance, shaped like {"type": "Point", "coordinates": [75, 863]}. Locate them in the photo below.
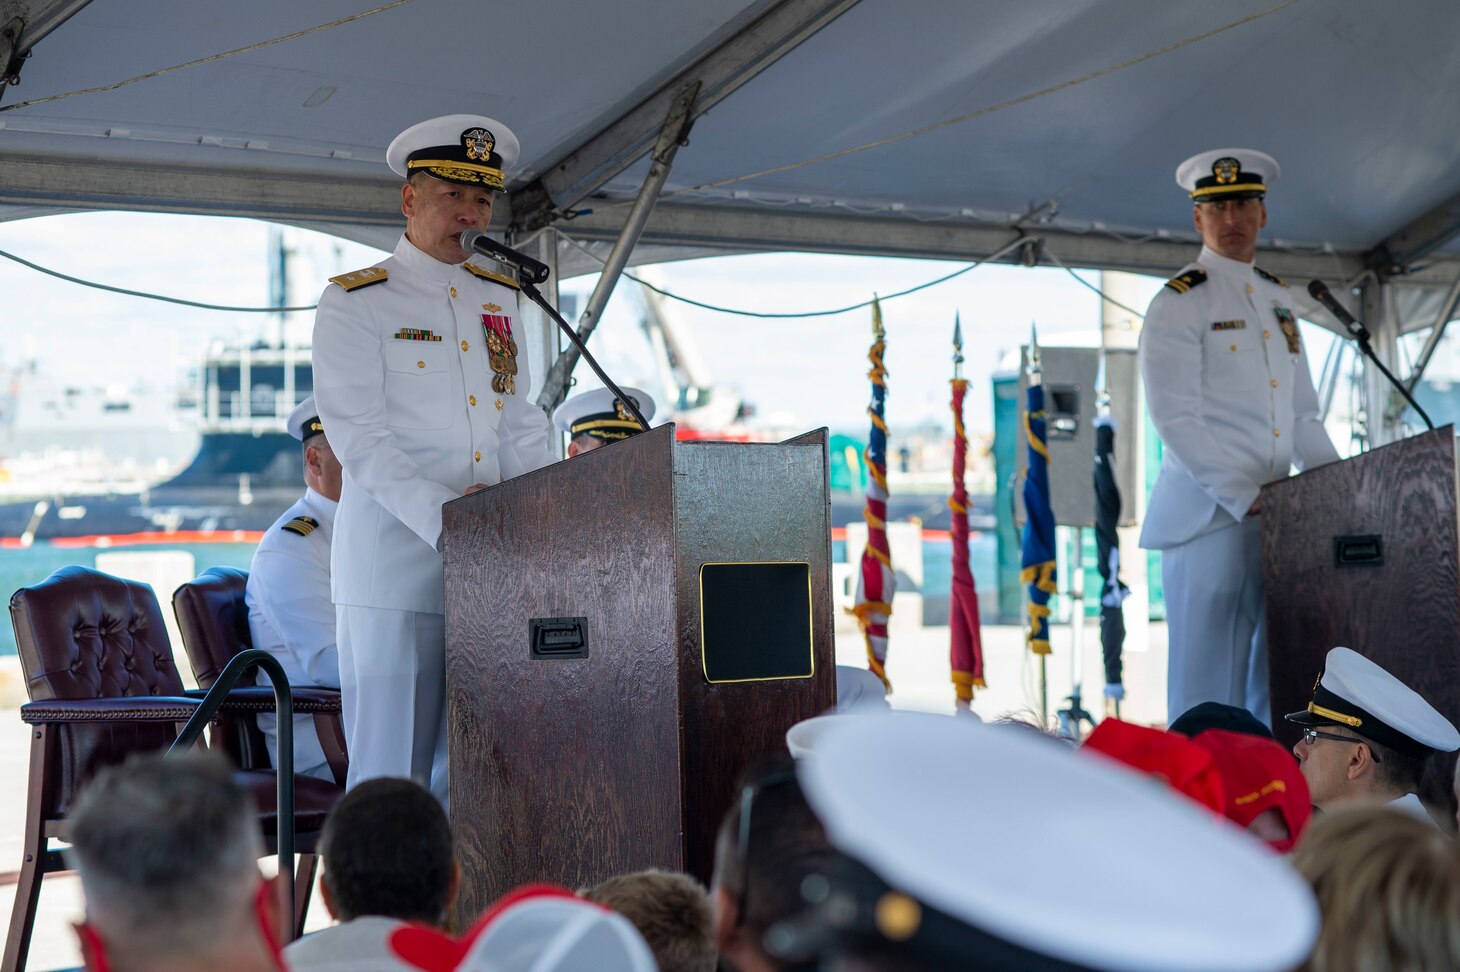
{"type": "Point", "coordinates": [673, 134]}
{"type": "Point", "coordinates": [718, 74]}
{"type": "Point", "coordinates": [1422, 236]}
{"type": "Point", "coordinates": [23, 23]}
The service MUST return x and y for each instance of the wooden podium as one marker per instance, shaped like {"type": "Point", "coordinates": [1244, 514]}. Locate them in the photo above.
{"type": "Point", "coordinates": [625, 632]}
{"type": "Point", "coordinates": [1363, 553]}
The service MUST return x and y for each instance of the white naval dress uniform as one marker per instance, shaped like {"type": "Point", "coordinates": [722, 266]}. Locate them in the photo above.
{"type": "Point", "coordinates": [414, 423]}
{"type": "Point", "coordinates": [1230, 394]}
{"type": "Point", "coordinates": [290, 616]}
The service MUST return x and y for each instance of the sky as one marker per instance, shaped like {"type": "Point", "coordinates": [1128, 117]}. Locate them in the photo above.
{"type": "Point", "coordinates": [798, 373]}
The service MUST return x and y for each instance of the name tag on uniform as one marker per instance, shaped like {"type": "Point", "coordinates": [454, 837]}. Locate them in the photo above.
{"type": "Point", "coordinates": [1228, 325]}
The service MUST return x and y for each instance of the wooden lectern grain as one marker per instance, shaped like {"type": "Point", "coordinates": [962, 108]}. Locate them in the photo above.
{"type": "Point", "coordinates": [574, 770]}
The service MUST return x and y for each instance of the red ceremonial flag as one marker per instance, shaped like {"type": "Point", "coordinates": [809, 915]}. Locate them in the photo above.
{"type": "Point", "coordinates": [966, 642]}
{"type": "Point", "coordinates": [876, 581]}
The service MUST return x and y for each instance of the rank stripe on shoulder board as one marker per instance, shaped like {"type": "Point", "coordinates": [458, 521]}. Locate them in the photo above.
{"type": "Point", "coordinates": [361, 278]}
{"type": "Point", "coordinates": [302, 525]}
{"type": "Point", "coordinates": [493, 276]}
{"type": "Point", "coordinates": [1270, 277]}
{"type": "Point", "coordinates": [1181, 283]}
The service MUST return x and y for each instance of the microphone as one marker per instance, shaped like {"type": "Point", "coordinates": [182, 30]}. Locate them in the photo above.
{"type": "Point", "coordinates": [1319, 291]}
{"type": "Point", "coordinates": [533, 271]}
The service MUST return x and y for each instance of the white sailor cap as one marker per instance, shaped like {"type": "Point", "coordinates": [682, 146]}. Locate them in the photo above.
{"type": "Point", "coordinates": [1229, 173]}
{"type": "Point", "coordinates": [598, 413]}
{"type": "Point", "coordinates": [536, 928]}
{"type": "Point", "coordinates": [953, 831]}
{"type": "Point", "coordinates": [469, 149]}
{"type": "Point", "coordinates": [303, 423]}
{"type": "Point", "coordinates": [1355, 692]}
{"type": "Point", "coordinates": [858, 687]}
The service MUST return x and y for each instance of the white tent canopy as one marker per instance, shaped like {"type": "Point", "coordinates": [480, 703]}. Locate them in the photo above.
{"type": "Point", "coordinates": [1355, 99]}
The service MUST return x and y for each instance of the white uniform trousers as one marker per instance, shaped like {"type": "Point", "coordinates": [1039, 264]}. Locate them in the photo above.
{"type": "Point", "coordinates": [393, 691]}
{"type": "Point", "coordinates": [309, 758]}
{"type": "Point", "coordinates": [1215, 622]}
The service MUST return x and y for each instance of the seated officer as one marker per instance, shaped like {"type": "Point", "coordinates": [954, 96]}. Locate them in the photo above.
{"type": "Point", "coordinates": [1367, 736]}
{"type": "Point", "coordinates": [290, 614]}
{"type": "Point", "coordinates": [596, 418]}
{"type": "Point", "coordinates": [942, 867]}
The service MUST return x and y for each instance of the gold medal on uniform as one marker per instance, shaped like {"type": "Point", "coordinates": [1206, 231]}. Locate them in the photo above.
{"type": "Point", "coordinates": [1289, 324]}
{"type": "Point", "coordinates": [501, 352]}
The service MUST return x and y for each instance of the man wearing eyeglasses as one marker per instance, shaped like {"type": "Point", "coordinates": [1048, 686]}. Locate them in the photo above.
{"type": "Point", "coordinates": [1367, 736]}
{"type": "Point", "coordinates": [1229, 391]}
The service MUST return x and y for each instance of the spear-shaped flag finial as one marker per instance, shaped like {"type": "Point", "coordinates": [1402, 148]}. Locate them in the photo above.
{"type": "Point", "coordinates": [957, 347]}
{"type": "Point", "coordinates": [1033, 368]}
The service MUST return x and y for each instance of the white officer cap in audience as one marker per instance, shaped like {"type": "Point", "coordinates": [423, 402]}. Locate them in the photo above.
{"type": "Point", "coordinates": [857, 687]}
{"type": "Point", "coordinates": [959, 835]}
{"type": "Point", "coordinates": [468, 149]}
{"type": "Point", "coordinates": [303, 422]}
{"type": "Point", "coordinates": [534, 929]}
{"type": "Point", "coordinates": [1355, 692]}
{"type": "Point", "coordinates": [600, 414]}
{"type": "Point", "coordinates": [1229, 173]}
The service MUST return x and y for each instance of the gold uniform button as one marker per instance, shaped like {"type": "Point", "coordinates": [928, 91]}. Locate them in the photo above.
{"type": "Point", "coordinates": [1276, 433]}
{"type": "Point", "coordinates": [453, 291]}
{"type": "Point", "coordinates": [420, 364]}
{"type": "Point", "coordinates": [465, 346]}
{"type": "Point", "coordinates": [499, 404]}
{"type": "Point", "coordinates": [478, 457]}
{"type": "Point", "coordinates": [1274, 383]}
{"type": "Point", "coordinates": [1234, 347]}
{"type": "Point", "coordinates": [473, 400]}
{"type": "Point", "coordinates": [1267, 334]}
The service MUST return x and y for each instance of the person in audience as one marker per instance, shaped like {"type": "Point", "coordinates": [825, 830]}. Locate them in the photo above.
{"type": "Point", "coordinates": [1388, 885]}
{"type": "Point", "coordinates": [1173, 759]}
{"type": "Point", "coordinates": [768, 844]}
{"type": "Point", "coordinates": [537, 928]}
{"type": "Point", "coordinates": [947, 833]}
{"type": "Point", "coordinates": [671, 911]}
{"type": "Point", "coordinates": [1218, 715]}
{"type": "Point", "coordinates": [167, 851]}
{"type": "Point", "coordinates": [290, 614]}
{"type": "Point", "coordinates": [1265, 792]}
{"type": "Point", "coordinates": [595, 418]}
{"type": "Point", "coordinates": [388, 861]}
{"type": "Point", "coordinates": [1367, 736]}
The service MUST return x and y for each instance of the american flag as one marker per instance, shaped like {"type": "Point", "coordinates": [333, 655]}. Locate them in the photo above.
{"type": "Point", "coordinates": [876, 581]}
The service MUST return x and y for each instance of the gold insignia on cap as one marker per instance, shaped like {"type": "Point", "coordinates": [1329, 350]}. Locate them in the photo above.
{"type": "Point", "coordinates": [618, 407]}
{"type": "Point", "coordinates": [898, 917]}
{"type": "Point", "coordinates": [1225, 170]}
{"type": "Point", "coordinates": [478, 143]}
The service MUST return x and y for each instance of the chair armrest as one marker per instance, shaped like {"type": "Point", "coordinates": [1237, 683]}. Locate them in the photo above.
{"type": "Point", "coordinates": [141, 708]}
{"type": "Point", "coordinates": [260, 698]}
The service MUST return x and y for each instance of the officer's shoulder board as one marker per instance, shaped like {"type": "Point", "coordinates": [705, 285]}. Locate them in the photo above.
{"type": "Point", "coordinates": [495, 277]}
{"type": "Point", "coordinates": [1183, 282]}
{"type": "Point", "coordinates": [1270, 277]}
{"type": "Point", "coordinates": [356, 279]}
{"type": "Point", "coordinates": [302, 525]}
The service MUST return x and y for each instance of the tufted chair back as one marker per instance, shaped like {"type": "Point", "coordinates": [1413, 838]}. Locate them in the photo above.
{"type": "Point", "coordinates": [213, 620]}
{"type": "Point", "coordinates": [83, 634]}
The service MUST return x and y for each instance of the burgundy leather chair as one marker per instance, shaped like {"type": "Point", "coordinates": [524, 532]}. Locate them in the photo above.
{"type": "Point", "coordinates": [102, 683]}
{"type": "Point", "coordinates": [213, 620]}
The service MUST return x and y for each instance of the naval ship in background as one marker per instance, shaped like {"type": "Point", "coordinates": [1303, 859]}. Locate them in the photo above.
{"type": "Point", "coordinates": [245, 472]}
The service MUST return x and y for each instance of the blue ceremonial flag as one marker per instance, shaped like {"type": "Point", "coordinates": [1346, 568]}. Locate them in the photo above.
{"type": "Point", "coordinates": [1038, 545]}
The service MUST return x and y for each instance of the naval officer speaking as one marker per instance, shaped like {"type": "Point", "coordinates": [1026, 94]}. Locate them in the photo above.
{"type": "Point", "coordinates": [1229, 391]}
{"type": "Point", "coordinates": [419, 381]}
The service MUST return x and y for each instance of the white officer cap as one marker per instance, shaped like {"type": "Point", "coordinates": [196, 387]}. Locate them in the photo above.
{"type": "Point", "coordinates": [600, 414]}
{"type": "Point", "coordinates": [548, 930]}
{"type": "Point", "coordinates": [303, 423]}
{"type": "Point", "coordinates": [955, 831]}
{"type": "Point", "coordinates": [470, 149]}
{"type": "Point", "coordinates": [1355, 692]}
{"type": "Point", "coordinates": [858, 687]}
{"type": "Point", "coordinates": [1229, 173]}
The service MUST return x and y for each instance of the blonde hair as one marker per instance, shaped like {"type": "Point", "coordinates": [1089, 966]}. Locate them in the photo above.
{"type": "Point", "coordinates": [1388, 885]}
